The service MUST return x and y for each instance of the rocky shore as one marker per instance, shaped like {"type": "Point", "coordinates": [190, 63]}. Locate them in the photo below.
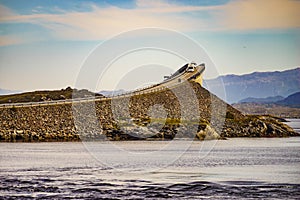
{"type": "Point", "coordinates": [157, 115]}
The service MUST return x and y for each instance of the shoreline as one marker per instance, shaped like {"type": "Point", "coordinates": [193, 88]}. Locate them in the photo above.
{"type": "Point", "coordinates": [142, 140]}
{"type": "Point", "coordinates": [97, 121]}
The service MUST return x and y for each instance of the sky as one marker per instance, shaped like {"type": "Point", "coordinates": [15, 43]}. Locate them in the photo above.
{"type": "Point", "coordinates": [44, 43]}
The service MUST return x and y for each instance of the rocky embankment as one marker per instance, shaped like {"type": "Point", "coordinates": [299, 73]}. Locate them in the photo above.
{"type": "Point", "coordinates": [165, 114]}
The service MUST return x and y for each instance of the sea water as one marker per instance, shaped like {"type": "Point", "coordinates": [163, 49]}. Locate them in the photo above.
{"type": "Point", "coordinates": [294, 123]}
{"type": "Point", "coordinates": [237, 168]}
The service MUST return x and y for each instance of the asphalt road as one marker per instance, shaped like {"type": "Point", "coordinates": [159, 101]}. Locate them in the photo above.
{"type": "Point", "coordinates": [169, 83]}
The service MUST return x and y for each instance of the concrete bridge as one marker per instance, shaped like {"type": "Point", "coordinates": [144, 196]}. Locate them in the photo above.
{"type": "Point", "coordinates": [188, 72]}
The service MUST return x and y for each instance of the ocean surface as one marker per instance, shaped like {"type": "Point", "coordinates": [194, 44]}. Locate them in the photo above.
{"type": "Point", "coordinates": [294, 123]}
{"type": "Point", "coordinates": [237, 168]}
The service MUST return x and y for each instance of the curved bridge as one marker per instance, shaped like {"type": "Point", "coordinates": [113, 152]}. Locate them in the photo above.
{"type": "Point", "coordinates": [188, 72]}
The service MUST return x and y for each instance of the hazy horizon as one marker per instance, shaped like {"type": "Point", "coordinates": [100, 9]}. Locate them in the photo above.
{"type": "Point", "coordinates": [64, 87]}
{"type": "Point", "coordinates": [43, 44]}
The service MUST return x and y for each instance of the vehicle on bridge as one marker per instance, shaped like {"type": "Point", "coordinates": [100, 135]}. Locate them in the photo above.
{"type": "Point", "coordinates": [191, 67]}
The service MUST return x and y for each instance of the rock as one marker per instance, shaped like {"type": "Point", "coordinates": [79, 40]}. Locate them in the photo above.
{"type": "Point", "coordinates": [56, 123]}
{"type": "Point", "coordinates": [20, 131]}
{"type": "Point", "coordinates": [62, 97]}
{"type": "Point", "coordinates": [208, 134]}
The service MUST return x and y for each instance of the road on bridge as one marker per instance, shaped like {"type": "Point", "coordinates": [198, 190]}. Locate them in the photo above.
{"type": "Point", "coordinates": [169, 83]}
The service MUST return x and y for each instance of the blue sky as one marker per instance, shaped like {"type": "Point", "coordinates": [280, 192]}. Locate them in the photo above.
{"type": "Point", "coordinates": [43, 43]}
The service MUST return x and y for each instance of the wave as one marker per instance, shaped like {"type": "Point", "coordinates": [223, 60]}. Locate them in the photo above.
{"type": "Point", "coordinates": [52, 188]}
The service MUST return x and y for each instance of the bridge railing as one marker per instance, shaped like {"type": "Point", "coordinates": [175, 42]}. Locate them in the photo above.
{"type": "Point", "coordinates": [144, 90]}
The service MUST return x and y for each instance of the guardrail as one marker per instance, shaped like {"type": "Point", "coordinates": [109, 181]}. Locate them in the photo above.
{"type": "Point", "coordinates": [46, 103]}
{"type": "Point", "coordinates": [145, 90]}
{"type": "Point", "coordinates": [76, 100]}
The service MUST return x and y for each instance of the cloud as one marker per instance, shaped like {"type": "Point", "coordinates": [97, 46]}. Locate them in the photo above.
{"type": "Point", "coordinates": [257, 14]}
{"type": "Point", "coordinates": [6, 40]}
{"type": "Point", "coordinates": [103, 22]}
{"type": "Point", "coordinates": [166, 7]}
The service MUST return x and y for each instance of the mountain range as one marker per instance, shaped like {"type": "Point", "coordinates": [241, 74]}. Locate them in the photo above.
{"type": "Point", "coordinates": [256, 84]}
{"type": "Point", "coordinates": [288, 107]}
{"type": "Point", "coordinates": [262, 100]}
{"type": "Point", "coordinates": [292, 101]}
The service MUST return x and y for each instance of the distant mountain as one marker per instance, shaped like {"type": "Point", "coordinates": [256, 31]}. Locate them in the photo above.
{"type": "Point", "coordinates": [291, 101]}
{"type": "Point", "coordinates": [5, 92]}
{"type": "Point", "coordinates": [109, 93]}
{"type": "Point", "coordinates": [288, 107]}
{"type": "Point", "coordinates": [257, 84]}
{"type": "Point", "coordinates": [261, 100]}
